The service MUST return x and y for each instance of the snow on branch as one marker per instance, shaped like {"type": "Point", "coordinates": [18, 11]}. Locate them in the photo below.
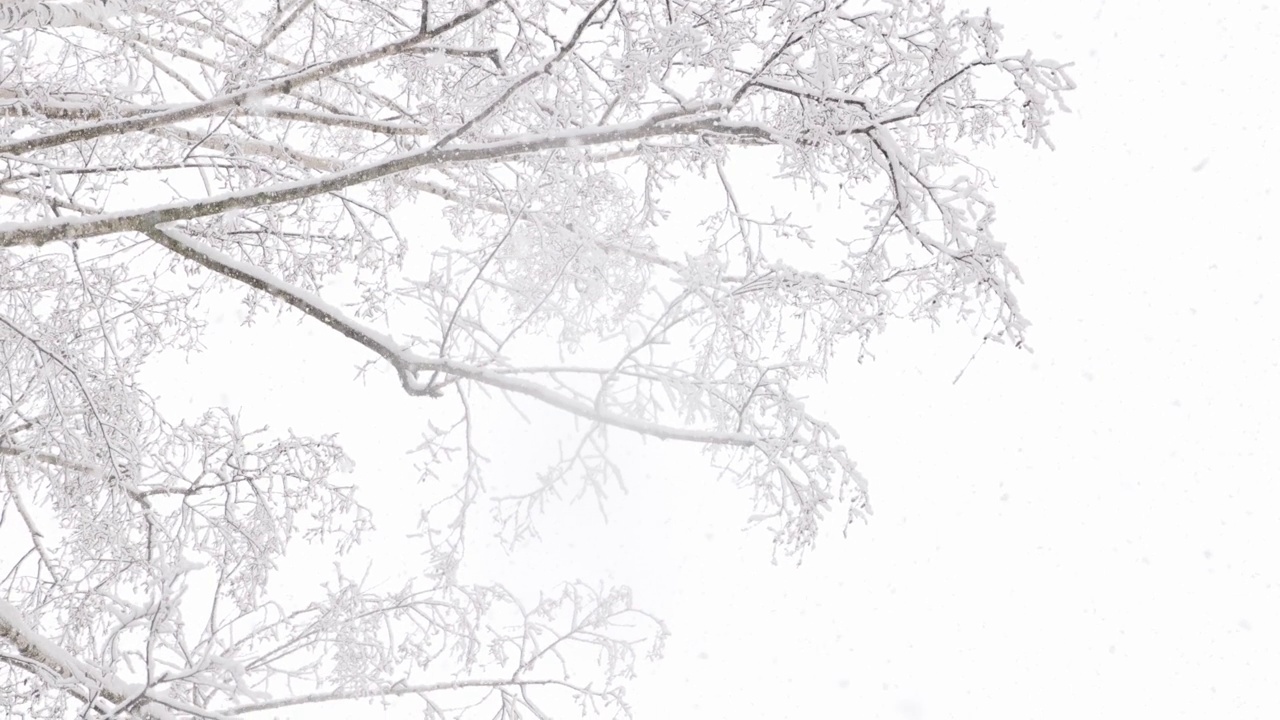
{"type": "Point", "coordinates": [24, 14]}
{"type": "Point", "coordinates": [479, 193]}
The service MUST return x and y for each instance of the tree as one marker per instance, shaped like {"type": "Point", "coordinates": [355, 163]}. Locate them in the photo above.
{"type": "Point", "coordinates": [160, 155]}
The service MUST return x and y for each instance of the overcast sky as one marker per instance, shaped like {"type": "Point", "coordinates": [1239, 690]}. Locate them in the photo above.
{"type": "Point", "coordinates": [1091, 530]}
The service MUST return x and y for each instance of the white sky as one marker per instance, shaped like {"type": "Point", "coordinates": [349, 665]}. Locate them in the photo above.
{"type": "Point", "coordinates": [1089, 531]}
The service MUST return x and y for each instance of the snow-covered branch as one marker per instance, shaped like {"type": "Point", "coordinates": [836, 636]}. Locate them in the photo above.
{"type": "Point", "coordinates": [39, 233]}
{"type": "Point", "coordinates": [477, 193]}
{"type": "Point", "coordinates": [28, 14]}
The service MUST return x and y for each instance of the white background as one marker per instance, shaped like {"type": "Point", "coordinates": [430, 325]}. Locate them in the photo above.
{"type": "Point", "coordinates": [1091, 530]}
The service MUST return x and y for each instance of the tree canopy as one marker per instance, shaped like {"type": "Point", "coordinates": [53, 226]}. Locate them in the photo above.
{"type": "Point", "coordinates": [158, 155]}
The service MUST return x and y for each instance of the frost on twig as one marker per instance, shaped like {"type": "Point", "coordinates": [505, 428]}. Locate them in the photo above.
{"type": "Point", "coordinates": [158, 158]}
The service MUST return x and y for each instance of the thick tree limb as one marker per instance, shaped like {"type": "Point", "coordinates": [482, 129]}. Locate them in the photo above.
{"type": "Point", "coordinates": [40, 233]}
{"type": "Point", "coordinates": [23, 15]}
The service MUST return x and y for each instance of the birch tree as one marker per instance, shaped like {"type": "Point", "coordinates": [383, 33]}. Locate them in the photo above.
{"type": "Point", "coordinates": [158, 155]}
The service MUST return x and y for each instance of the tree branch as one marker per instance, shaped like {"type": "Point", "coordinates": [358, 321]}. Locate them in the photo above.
{"type": "Point", "coordinates": [222, 103]}
{"type": "Point", "coordinates": [396, 690]}
{"type": "Point", "coordinates": [409, 364]}
{"type": "Point", "coordinates": [43, 232]}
